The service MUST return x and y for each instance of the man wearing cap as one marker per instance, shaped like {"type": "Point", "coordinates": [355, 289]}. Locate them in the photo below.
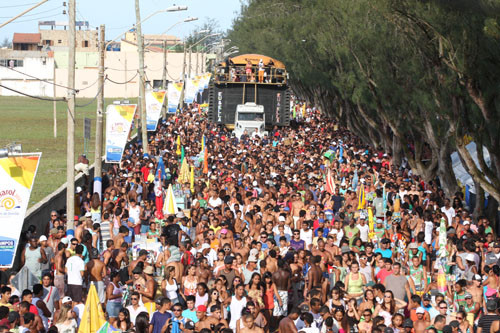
{"type": "Point", "coordinates": [384, 249]}
{"type": "Point", "coordinates": [203, 320]}
{"type": "Point", "coordinates": [49, 253]}
{"type": "Point", "coordinates": [251, 267]}
{"type": "Point", "coordinates": [476, 289]}
{"type": "Point", "coordinates": [421, 323]}
{"type": "Point", "coordinates": [471, 308]}
{"type": "Point", "coordinates": [227, 271]}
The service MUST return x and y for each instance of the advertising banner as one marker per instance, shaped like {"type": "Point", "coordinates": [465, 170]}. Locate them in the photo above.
{"type": "Point", "coordinates": [174, 95]}
{"type": "Point", "coordinates": [206, 80]}
{"type": "Point", "coordinates": [191, 90]}
{"type": "Point", "coordinates": [17, 175]}
{"type": "Point", "coordinates": [154, 104]}
{"type": "Point", "coordinates": [118, 123]}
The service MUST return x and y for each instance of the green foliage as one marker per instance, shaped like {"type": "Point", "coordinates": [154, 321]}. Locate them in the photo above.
{"type": "Point", "coordinates": [424, 73]}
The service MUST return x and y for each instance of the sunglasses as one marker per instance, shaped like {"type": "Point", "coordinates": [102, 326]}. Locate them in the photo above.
{"type": "Point", "coordinates": [177, 310]}
{"type": "Point", "coordinates": [74, 243]}
{"type": "Point", "coordinates": [443, 308]}
{"type": "Point", "coordinates": [134, 299]}
{"type": "Point", "coordinates": [459, 318]}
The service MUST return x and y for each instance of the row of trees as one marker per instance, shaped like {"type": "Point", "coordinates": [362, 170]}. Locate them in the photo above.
{"type": "Point", "coordinates": [419, 79]}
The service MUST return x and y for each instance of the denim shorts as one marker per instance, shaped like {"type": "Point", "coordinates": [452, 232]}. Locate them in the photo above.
{"type": "Point", "coordinates": [113, 308]}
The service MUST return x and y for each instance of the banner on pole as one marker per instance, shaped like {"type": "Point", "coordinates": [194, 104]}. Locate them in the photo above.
{"type": "Point", "coordinates": [191, 90]}
{"type": "Point", "coordinates": [17, 175]}
{"type": "Point", "coordinates": [174, 96]}
{"type": "Point", "coordinates": [154, 104]}
{"type": "Point", "coordinates": [118, 123]}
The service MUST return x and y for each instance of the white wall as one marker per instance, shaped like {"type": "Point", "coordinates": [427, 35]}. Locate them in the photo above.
{"type": "Point", "coordinates": [42, 68]}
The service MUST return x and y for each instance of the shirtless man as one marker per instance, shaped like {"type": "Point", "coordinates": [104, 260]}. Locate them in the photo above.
{"type": "Point", "coordinates": [96, 271]}
{"type": "Point", "coordinates": [107, 255]}
{"type": "Point", "coordinates": [60, 271]}
{"type": "Point", "coordinates": [421, 323]}
{"type": "Point", "coordinates": [215, 317]}
{"type": "Point", "coordinates": [287, 324]}
{"type": "Point", "coordinates": [476, 290]}
{"type": "Point", "coordinates": [119, 239]}
{"type": "Point", "coordinates": [297, 206]}
{"type": "Point", "coordinates": [314, 276]}
{"type": "Point", "coordinates": [224, 239]}
{"type": "Point", "coordinates": [326, 257]}
{"type": "Point", "coordinates": [202, 270]}
{"type": "Point", "coordinates": [272, 262]}
{"type": "Point", "coordinates": [203, 320]}
{"type": "Point", "coordinates": [239, 248]}
{"type": "Point", "coordinates": [281, 279]}
{"type": "Point", "coordinates": [143, 255]}
{"type": "Point", "coordinates": [250, 326]}
{"type": "Point", "coordinates": [79, 231]}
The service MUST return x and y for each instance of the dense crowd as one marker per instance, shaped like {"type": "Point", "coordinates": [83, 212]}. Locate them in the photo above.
{"type": "Point", "coordinates": [303, 230]}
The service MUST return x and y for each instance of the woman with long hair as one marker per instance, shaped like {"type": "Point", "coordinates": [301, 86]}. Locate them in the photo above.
{"type": "Point", "coordinates": [190, 280]}
{"type": "Point", "coordinates": [341, 320]}
{"type": "Point", "coordinates": [123, 323]}
{"type": "Point", "coordinates": [213, 299]}
{"type": "Point", "coordinates": [169, 285]}
{"type": "Point", "coordinates": [355, 281]}
{"type": "Point", "coordinates": [270, 294]}
{"type": "Point", "coordinates": [337, 299]}
{"type": "Point", "coordinates": [388, 307]}
{"type": "Point", "coordinates": [95, 207]}
{"type": "Point", "coordinates": [142, 323]}
{"type": "Point", "coordinates": [368, 301]}
{"type": "Point", "coordinates": [255, 290]}
{"type": "Point", "coordinates": [66, 322]}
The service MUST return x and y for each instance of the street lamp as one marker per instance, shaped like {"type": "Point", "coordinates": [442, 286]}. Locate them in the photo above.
{"type": "Point", "coordinates": [188, 19]}
{"type": "Point", "coordinates": [140, 51]}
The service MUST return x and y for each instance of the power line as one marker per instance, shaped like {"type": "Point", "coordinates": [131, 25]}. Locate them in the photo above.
{"type": "Point", "coordinates": [107, 78]}
{"type": "Point", "coordinates": [14, 6]}
{"type": "Point", "coordinates": [34, 14]}
{"type": "Point", "coordinates": [35, 97]}
{"type": "Point", "coordinates": [36, 78]}
{"type": "Point", "coordinates": [34, 19]}
{"type": "Point", "coordinates": [91, 101]}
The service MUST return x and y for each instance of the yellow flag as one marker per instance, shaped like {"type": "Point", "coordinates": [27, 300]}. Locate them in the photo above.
{"type": "Point", "coordinates": [191, 179]}
{"type": "Point", "coordinates": [371, 232]}
{"type": "Point", "coordinates": [361, 197]}
{"type": "Point", "coordinates": [93, 316]}
{"type": "Point", "coordinates": [178, 152]}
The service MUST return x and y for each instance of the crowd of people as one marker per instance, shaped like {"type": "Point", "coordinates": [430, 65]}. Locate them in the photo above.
{"type": "Point", "coordinates": [303, 230]}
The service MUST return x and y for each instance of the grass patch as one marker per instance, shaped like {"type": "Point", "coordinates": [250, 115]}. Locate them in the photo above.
{"type": "Point", "coordinates": [30, 122]}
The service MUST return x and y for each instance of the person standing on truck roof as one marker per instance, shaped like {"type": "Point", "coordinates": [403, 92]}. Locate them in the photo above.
{"type": "Point", "coordinates": [261, 71]}
{"type": "Point", "coordinates": [248, 71]}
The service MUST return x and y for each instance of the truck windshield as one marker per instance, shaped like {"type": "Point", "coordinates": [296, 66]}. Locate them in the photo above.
{"type": "Point", "coordinates": [251, 116]}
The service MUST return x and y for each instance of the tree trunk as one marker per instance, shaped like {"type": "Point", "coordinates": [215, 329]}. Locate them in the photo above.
{"type": "Point", "coordinates": [445, 172]}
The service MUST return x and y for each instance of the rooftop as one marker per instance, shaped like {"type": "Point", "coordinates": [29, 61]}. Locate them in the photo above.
{"type": "Point", "coordinates": [26, 38]}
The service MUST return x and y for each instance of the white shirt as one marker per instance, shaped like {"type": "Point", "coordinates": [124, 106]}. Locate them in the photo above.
{"type": "Point", "coordinates": [363, 232]}
{"type": "Point", "coordinates": [74, 266]}
{"type": "Point", "coordinates": [211, 257]}
{"type": "Point", "coordinates": [287, 230]}
{"type": "Point", "coordinates": [135, 212]}
{"type": "Point", "coordinates": [215, 202]}
{"type": "Point", "coordinates": [450, 214]}
{"type": "Point", "coordinates": [133, 312]}
{"type": "Point", "coordinates": [307, 236]}
{"type": "Point", "coordinates": [235, 308]}
{"type": "Point", "coordinates": [428, 227]}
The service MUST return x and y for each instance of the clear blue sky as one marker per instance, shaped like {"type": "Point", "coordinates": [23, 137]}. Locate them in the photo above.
{"type": "Point", "coordinates": [118, 15]}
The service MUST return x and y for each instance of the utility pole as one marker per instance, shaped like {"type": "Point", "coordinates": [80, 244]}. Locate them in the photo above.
{"type": "Point", "coordinates": [142, 81]}
{"type": "Point", "coordinates": [70, 158]}
{"type": "Point", "coordinates": [183, 77]}
{"type": "Point", "coordinates": [197, 62]}
{"type": "Point", "coordinates": [99, 119]}
{"type": "Point", "coordinates": [165, 54]}
{"type": "Point", "coordinates": [164, 78]}
{"type": "Point", "coordinates": [189, 68]}
{"type": "Point", "coordinates": [55, 103]}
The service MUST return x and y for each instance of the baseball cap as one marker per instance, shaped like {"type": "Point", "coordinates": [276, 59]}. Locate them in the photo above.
{"type": "Point", "coordinates": [78, 189]}
{"type": "Point", "coordinates": [65, 240]}
{"type": "Point", "coordinates": [466, 223]}
{"type": "Point", "coordinates": [420, 310]}
{"type": "Point", "coordinates": [413, 246]}
{"type": "Point", "coordinates": [223, 231]}
{"type": "Point", "coordinates": [426, 297]}
{"type": "Point", "coordinates": [43, 238]}
{"type": "Point", "coordinates": [66, 299]}
{"type": "Point", "coordinates": [477, 277]}
{"type": "Point", "coordinates": [281, 219]}
{"type": "Point", "coordinates": [467, 295]}
{"type": "Point", "coordinates": [149, 270]}
{"type": "Point", "coordinates": [88, 214]}
{"type": "Point", "coordinates": [252, 258]}
{"type": "Point", "coordinates": [201, 308]}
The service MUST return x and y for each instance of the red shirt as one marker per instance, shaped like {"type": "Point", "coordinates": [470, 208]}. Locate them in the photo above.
{"type": "Point", "coordinates": [382, 274]}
